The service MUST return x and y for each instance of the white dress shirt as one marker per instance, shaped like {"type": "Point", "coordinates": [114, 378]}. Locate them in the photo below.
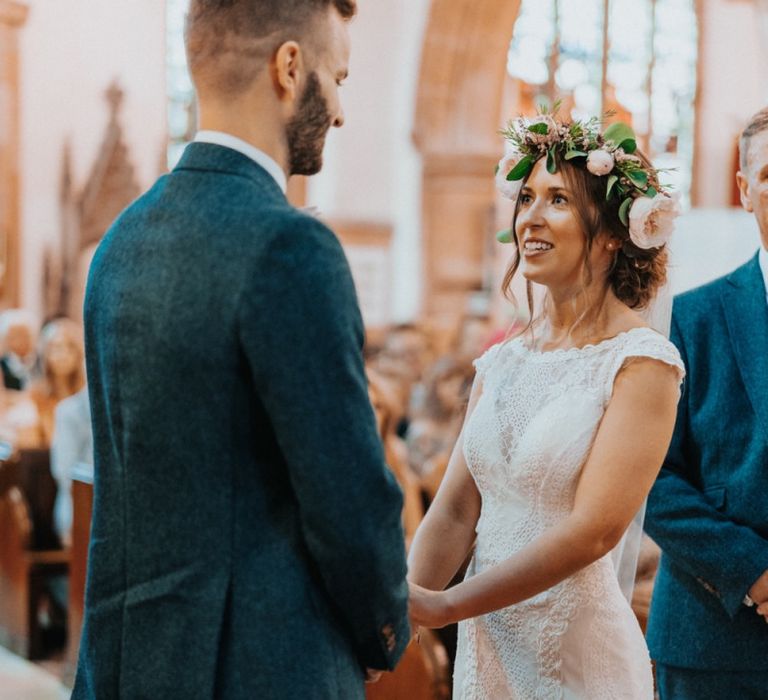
{"type": "Point", "coordinates": [763, 257]}
{"type": "Point", "coordinates": [219, 138]}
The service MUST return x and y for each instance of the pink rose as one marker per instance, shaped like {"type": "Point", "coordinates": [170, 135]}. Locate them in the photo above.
{"type": "Point", "coordinates": [651, 221]}
{"type": "Point", "coordinates": [508, 188]}
{"type": "Point", "coordinates": [600, 162]}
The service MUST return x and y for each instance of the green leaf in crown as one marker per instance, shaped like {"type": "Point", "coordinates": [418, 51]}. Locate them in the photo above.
{"type": "Point", "coordinates": [612, 154]}
{"type": "Point", "coordinates": [521, 169]}
{"type": "Point", "coordinates": [622, 136]}
{"type": "Point", "coordinates": [540, 128]}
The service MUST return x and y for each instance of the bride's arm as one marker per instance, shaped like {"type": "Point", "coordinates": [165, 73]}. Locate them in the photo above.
{"type": "Point", "coordinates": [447, 532]}
{"type": "Point", "coordinates": [627, 454]}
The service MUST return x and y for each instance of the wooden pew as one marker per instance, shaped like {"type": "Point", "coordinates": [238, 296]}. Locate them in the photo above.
{"type": "Point", "coordinates": [82, 510]}
{"type": "Point", "coordinates": [29, 550]}
{"type": "Point", "coordinates": [39, 489]}
{"type": "Point", "coordinates": [23, 575]}
{"type": "Point", "coordinates": [422, 674]}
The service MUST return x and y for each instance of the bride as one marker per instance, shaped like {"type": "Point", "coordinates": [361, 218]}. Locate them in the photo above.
{"type": "Point", "coordinates": [566, 429]}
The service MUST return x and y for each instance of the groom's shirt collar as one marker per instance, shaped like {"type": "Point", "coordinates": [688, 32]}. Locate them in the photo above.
{"type": "Point", "coordinates": [763, 257]}
{"type": "Point", "coordinates": [219, 138]}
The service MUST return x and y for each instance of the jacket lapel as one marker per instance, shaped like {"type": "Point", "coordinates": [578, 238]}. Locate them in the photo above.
{"type": "Point", "coordinates": [746, 314]}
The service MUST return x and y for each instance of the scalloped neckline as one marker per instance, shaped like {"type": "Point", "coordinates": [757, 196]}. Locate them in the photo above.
{"type": "Point", "coordinates": [589, 347]}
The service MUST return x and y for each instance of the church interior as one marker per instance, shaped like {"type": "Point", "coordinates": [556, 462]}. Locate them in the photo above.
{"type": "Point", "coordinates": [96, 103]}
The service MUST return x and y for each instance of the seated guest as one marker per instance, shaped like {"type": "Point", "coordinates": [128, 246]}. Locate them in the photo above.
{"type": "Point", "coordinates": [62, 371]}
{"type": "Point", "coordinates": [408, 344]}
{"type": "Point", "coordinates": [391, 369]}
{"type": "Point", "coordinates": [433, 432]}
{"type": "Point", "coordinates": [19, 423]}
{"type": "Point", "coordinates": [473, 336]}
{"type": "Point", "coordinates": [18, 337]}
{"type": "Point", "coordinates": [72, 446]}
{"type": "Point", "coordinates": [407, 352]}
{"type": "Point", "coordinates": [384, 402]}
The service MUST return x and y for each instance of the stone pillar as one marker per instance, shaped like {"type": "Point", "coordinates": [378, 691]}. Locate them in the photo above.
{"type": "Point", "coordinates": [457, 210]}
{"type": "Point", "coordinates": [12, 16]}
{"type": "Point", "coordinates": [458, 116]}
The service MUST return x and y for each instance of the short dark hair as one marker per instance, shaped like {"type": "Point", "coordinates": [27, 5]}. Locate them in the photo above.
{"type": "Point", "coordinates": [758, 123]}
{"type": "Point", "coordinates": [241, 35]}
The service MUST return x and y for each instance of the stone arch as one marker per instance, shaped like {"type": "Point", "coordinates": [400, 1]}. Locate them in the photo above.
{"type": "Point", "coordinates": [458, 111]}
{"type": "Point", "coordinates": [459, 102]}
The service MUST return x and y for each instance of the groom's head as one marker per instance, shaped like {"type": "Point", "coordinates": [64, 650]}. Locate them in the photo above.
{"type": "Point", "coordinates": [753, 170]}
{"type": "Point", "coordinates": [276, 62]}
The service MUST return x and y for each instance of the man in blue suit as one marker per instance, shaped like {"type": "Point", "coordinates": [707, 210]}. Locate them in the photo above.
{"type": "Point", "coordinates": [246, 538]}
{"type": "Point", "coordinates": [709, 507]}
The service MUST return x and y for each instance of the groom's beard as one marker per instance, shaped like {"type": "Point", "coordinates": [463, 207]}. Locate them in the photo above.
{"type": "Point", "coordinates": [306, 131]}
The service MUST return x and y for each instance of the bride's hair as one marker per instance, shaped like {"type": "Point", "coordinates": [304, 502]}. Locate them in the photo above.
{"type": "Point", "coordinates": [636, 274]}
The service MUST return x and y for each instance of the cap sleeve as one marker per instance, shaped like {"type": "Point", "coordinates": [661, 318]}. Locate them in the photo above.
{"type": "Point", "coordinates": [647, 343]}
{"type": "Point", "coordinates": [483, 363]}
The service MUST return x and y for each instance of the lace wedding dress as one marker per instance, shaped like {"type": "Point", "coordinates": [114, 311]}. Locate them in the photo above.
{"type": "Point", "coordinates": [525, 444]}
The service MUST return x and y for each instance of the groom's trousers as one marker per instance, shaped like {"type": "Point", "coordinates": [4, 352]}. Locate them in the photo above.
{"type": "Point", "coordinates": [675, 683]}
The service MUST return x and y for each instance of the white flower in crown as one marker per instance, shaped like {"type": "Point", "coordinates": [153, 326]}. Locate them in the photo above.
{"type": "Point", "coordinates": [651, 220]}
{"type": "Point", "coordinates": [600, 162]}
{"type": "Point", "coordinates": [508, 188]}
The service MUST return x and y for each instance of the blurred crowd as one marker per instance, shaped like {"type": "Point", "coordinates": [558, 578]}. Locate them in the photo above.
{"type": "Point", "coordinates": [43, 399]}
{"type": "Point", "coordinates": [419, 397]}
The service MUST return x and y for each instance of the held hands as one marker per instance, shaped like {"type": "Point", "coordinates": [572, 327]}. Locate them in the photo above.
{"type": "Point", "coordinates": [759, 593]}
{"type": "Point", "coordinates": [430, 609]}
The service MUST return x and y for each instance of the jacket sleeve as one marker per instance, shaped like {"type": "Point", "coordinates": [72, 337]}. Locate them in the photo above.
{"type": "Point", "coordinates": [724, 556]}
{"type": "Point", "coordinates": [302, 334]}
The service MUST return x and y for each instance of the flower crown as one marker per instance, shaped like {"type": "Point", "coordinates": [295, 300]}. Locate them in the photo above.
{"type": "Point", "coordinates": [647, 209]}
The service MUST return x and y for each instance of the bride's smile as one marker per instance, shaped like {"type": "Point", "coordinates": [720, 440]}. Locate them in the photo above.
{"type": "Point", "coordinates": [550, 228]}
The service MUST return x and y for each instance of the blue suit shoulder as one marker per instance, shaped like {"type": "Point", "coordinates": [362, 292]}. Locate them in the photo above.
{"type": "Point", "coordinates": [695, 303]}
{"type": "Point", "coordinates": [299, 238]}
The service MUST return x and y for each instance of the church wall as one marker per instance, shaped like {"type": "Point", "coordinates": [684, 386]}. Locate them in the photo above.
{"type": "Point", "coordinates": [372, 171]}
{"type": "Point", "coordinates": [734, 85]}
{"type": "Point", "coordinates": [70, 53]}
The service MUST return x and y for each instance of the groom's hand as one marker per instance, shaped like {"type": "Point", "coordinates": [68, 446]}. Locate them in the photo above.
{"type": "Point", "coordinates": [759, 591]}
{"type": "Point", "coordinates": [372, 675]}
{"type": "Point", "coordinates": [763, 611]}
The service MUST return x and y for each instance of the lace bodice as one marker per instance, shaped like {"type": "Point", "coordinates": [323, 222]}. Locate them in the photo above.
{"type": "Point", "coordinates": [525, 444]}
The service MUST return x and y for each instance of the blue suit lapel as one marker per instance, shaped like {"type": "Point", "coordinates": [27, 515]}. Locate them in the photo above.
{"type": "Point", "coordinates": [746, 314]}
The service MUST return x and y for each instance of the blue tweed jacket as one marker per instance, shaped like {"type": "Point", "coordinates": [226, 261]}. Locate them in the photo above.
{"type": "Point", "coordinates": [709, 507]}
{"type": "Point", "coordinates": [246, 538]}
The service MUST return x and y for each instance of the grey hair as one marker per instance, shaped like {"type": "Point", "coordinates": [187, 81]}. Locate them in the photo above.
{"type": "Point", "coordinates": [16, 317]}
{"type": "Point", "coordinates": [757, 124]}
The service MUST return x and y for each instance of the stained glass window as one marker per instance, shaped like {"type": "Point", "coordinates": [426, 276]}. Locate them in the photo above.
{"type": "Point", "coordinates": [634, 57]}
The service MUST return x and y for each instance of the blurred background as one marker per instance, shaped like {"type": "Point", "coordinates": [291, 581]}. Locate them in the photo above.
{"type": "Point", "coordinates": [96, 103]}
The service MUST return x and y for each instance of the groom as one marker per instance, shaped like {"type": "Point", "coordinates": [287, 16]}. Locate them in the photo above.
{"type": "Point", "coordinates": [246, 539]}
{"type": "Point", "coordinates": [708, 509]}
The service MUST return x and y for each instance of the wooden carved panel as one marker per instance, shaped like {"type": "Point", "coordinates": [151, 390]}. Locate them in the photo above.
{"type": "Point", "coordinates": [12, 16]}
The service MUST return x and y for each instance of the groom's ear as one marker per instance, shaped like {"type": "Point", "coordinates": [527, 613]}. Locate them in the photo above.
{"type": "Point", "coordinates": [744, 194]}
{"type": "Point", "coordinates": [288, 70]}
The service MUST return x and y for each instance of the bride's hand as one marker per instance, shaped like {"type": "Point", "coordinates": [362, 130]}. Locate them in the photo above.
{"type": "Point", "coordinates": [427, 608]}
